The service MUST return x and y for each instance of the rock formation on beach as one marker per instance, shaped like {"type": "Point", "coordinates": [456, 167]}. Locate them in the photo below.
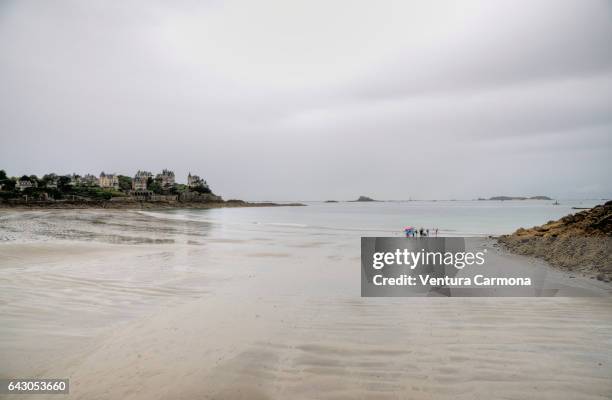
{"type": "Point", "coordinates": [578, 242]}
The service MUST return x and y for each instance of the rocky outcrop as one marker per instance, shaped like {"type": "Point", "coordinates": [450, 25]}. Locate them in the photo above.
{"type": "Point", "coordinates": [364, 198]}
{"type": "Point", "coordinates": [578, 242]}
{"type": "Point", "coordinates": [195, 197]}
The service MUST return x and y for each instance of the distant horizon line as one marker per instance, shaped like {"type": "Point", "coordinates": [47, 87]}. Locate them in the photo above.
{"type": "Point", "coordinates": [430, 200]}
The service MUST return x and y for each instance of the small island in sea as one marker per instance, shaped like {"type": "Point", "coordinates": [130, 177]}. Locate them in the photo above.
{"type": "Point", "coordinates": [365, 198]}
{"type": "Point", "coordinates": [503, 198]}
{"type": "Point", "coordinates": [144, 190]}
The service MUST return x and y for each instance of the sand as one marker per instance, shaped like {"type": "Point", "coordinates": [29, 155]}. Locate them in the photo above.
{"type": "Point", "coordinates": [352, 348]}
{"type": "Point", "coordinates": [204, 317]}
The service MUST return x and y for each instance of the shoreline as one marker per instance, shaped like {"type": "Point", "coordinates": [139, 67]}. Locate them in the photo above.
{"type": "Point", "coordinates": [133, 205]}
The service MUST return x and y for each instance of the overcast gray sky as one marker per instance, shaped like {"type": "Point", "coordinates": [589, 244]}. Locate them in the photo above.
{"type": "Point", "coordinates": [315, 99]}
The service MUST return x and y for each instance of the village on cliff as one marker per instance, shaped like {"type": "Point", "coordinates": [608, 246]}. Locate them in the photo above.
{"type": "Point", "coordinates": [144, 186]}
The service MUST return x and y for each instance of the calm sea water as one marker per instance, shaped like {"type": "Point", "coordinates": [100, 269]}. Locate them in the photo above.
{"type": "Point", "coordinates": [452, 218]}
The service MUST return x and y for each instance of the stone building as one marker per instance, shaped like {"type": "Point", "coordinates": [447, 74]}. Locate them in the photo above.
{"type": "Point", "coordinates": [166, 179]}
{"type": "Point", "coordinates": [195, 181]}
{"type": "Point", "coordinates": [109, 181]}
{"type": "Point", "coordinates": [141, 195]}
{"type": "Point", "coordinates": [23, 184]}
{"type": "Point", "coordinates": [139, 183]}
{"type": "Point", "coordinates": [89, 180]}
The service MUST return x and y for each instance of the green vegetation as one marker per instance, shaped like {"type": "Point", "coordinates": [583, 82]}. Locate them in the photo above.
{"type": "Point", "coordinates": [202, 189]}
{"type": "Point", "coordinates": [7, 185]}
{"type": "Point", "coordinates": [51, 187]}
{"type": "Point", "coordinates": [72, 187]}
{"type": "Point", "coordinates": [91, 192]}
{"type": "Point", "coordinates": [125, 183]}
{"type": "Point", "coordinates": [154, 186]}
{"type": "Point", "coordinates": [63, 184]}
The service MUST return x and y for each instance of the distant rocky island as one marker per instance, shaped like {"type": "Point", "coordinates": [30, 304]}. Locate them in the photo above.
{"type": "Point", "coordinates": [503, 198]}
{"type": "Point", "coordinates": [365, 198]}
{"type": "Point", "coordinates": [580, 242]}
{"type": "Point", "coordinates": [144, 190]}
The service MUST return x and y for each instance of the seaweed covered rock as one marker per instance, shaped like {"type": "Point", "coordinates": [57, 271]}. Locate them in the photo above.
{"type": "Point", "coordinates": [579, 242]}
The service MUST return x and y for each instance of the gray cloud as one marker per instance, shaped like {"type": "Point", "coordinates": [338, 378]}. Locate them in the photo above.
{"type": "Point", "coordinates": [314, 100]}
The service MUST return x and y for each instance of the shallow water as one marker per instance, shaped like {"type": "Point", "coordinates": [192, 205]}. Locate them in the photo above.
{"type": "Point", "coordinates": [452, 218]}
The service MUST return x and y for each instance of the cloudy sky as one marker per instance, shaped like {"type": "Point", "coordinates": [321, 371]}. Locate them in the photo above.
{"type": "Point", "coordinates": [289, 100]}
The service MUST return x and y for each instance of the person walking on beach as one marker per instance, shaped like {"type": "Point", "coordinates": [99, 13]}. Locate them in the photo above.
{"type": "Point", "coordinates": [427, 232]}
{"type": "Point", "coordinates": [436, 232]}
{"type": "Point", "coordinates": [421, 232]}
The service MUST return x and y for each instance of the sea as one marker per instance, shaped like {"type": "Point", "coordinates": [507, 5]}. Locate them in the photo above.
{"type": "Point", "coordinates": [386, 218]}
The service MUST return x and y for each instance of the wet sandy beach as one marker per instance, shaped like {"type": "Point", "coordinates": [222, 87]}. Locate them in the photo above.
{"type": "Point", "coordinates": [131, 306]}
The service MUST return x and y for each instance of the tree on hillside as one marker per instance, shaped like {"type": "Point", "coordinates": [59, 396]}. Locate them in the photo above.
{"type": "Point", "coordinates": [63, 183]}
{"type": "Point", "coordinates": [8, 185]}
{"type": "Point", "coordinates": [48, 178]}
{"type": "Point", "coordinates": [154, 186]}
{"type": "Point", "coordinates": [201, 189]}
{"type": "Point", "coordinates": [125, 183]}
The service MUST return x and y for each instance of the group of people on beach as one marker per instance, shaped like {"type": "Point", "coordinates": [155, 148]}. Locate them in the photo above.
{"type": "Point", "coordinates": [414, 232]}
